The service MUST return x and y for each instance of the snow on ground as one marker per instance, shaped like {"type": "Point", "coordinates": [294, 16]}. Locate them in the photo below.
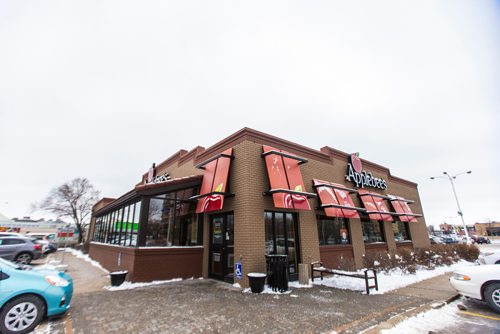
{"type": "Point", "coordinates": [426, 322]}
{"type": "Point", "coordinates": [85, 257]}
{"type": "Point", "coordinates": [387, 281]}
{"type": "Point", "coordinates": [130, 285]}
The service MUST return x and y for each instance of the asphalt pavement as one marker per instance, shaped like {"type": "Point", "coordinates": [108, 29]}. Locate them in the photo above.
{"type": "Point", "coordinates": [209, 306]}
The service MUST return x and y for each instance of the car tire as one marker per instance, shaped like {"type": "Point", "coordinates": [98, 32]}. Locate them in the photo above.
{"type": "Point", "coordinates": [492, 296]}
{"type": "Point", "coordinates": [21, 315]}
{"type": "Point", "coordinates": [24, 258]}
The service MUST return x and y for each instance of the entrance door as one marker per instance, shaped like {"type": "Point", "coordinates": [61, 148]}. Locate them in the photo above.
{"type": "Point", "coordinates": [281, 238]}
{"type": "Point", "coordinates": [222, 247]}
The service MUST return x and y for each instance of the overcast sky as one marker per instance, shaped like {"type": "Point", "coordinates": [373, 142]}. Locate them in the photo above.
{"type": "Point", "coordinates": [102, 89]}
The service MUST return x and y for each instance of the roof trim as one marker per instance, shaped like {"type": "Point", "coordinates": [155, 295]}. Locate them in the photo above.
{"type": "Point", "coordinates": [325, 154]}
{"type": "Point", "coordinates": [151, 189]}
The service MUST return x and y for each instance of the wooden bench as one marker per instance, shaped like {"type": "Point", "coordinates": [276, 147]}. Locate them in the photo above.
{"type": "Point", "coordinates": [322, 270]}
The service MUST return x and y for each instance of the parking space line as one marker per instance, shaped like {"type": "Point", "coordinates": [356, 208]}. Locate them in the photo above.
{"type": "Point", "coordinates": [480, 315]}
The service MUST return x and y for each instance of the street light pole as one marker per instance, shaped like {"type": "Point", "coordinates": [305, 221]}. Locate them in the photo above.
{"type": "Point", "coordinates": [460, 213]}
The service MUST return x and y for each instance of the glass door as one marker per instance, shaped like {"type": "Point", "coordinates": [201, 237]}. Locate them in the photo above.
{"type": "Point", "coordinates": [281, 238]}
{"type": "Point", "coordinates": [221, 262]}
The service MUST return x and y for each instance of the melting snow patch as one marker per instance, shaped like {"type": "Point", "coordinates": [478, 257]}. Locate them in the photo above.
{"type": "Point", "coordinates": [130, 285]}
{"type": "Point", "coordinates": [296, 284]}
{"type": "Point", "coordinates": [85, 257]}
{"type": "Point", "coordinates": [427, 321]}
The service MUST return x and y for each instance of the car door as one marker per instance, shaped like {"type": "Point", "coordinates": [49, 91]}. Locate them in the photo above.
{"type": "Point", "coordinates": [9, 248]}
{"type": "Point", "coordinates": [5, 249]}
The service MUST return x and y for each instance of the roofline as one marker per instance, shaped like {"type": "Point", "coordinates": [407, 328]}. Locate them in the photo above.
{"type": "Point", "coordinates": [151, 190]}
{"type": "Point", "coordinates": [325, 154]}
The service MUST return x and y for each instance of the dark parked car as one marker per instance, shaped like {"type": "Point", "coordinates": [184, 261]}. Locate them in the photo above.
{"type": "Point", "coordinates": [20, 249]}
{"type": "Point", "coordinates": [482, 240]}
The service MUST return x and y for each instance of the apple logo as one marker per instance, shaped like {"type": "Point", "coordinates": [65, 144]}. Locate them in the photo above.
{"type": "Point", "coordinates": [356, 162]}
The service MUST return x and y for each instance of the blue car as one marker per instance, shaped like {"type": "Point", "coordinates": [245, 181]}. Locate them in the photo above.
{"type": "Point", "coordinates": [27, 295]}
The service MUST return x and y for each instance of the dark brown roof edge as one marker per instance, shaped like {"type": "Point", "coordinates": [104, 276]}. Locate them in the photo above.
{"type": "Point", "coordinates": [326, 153]}
{"type": "Point", "coordinates": [191, 155]}
{"type": "Point", "coordinates": [170, 160]}
{"type": "Point", "coordinates": [261, 138]}
{"type": "Point", "coordinates": [168, 183]}
{"type": "Point", "coordinates": [102, 200]}
{"type": "Point", "coordinates": [142, 189]}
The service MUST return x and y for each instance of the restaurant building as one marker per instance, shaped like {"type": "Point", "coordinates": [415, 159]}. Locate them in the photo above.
{"type": "Point", "coordinates": [218, 212]}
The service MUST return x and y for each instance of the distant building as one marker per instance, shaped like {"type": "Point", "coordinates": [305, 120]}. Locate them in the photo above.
{"type": "Point", "coordinates": [488, 229]}
{"type": "Point", "coordinates": [3, 222]}
{"type": "Point", "coordinates": [26, 225]}
{"type": "Point", "coordinates": [457, 229]}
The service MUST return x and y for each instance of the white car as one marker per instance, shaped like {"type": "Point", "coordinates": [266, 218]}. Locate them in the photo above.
{"type": "Point", "coordinates": [489, 257]}
{"type": "Point", "coordinates": [479, 282]}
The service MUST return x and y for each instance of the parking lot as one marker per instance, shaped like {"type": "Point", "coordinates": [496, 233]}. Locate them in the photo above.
{"type": "Point", "coordinates": [211, 306]}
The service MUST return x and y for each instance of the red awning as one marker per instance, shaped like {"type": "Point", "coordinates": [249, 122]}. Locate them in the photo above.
{"type": "Point", "coordinates": [285, 178]}
{"type": "Point", "coordinates": [399, 209]}
{"type": "Point", "coordinates": [336, 199]}
{"type": "Point", "coordinates": [375, 206]}
{"type": "Point", "coordinates": [213, 186]}
{"type": "Point", "coordinates": [403, 209]}
{"type": "Point", "coordinates": [327, 197]}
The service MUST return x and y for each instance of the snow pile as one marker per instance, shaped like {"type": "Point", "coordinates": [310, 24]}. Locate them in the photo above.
{"type": "Point", "coordinates": [130, 285]}
{"type": "Point", "coordinates": [85, 257]}
{"type": "Point", "coordinates": [387, 281]}
{"type": "Point", "coordinates": [426, 322]}
{"type": "Point", "coordinates": [297, 285]}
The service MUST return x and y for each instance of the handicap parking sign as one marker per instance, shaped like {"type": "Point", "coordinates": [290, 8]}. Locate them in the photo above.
{"type": "Point", "coordinates": [237, 270]}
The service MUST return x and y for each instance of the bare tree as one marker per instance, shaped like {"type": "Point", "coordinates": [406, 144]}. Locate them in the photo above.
{"type": "Point", "coordinates": [73, 199]}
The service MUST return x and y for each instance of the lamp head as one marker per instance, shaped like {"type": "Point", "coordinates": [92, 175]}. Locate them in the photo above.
{"type": "Point", "coordinates": [468, 172]}
{"type": "Point", "coordinates": [445, 173]}
{"type": "Point", "coordinates": [432, 177]}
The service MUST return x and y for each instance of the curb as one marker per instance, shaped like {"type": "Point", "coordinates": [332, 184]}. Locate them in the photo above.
{"type": "Point", "coordinates": [392, 322]}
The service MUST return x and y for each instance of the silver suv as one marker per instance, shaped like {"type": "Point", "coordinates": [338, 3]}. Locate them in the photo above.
{"type": "Point", "coordinates": [20, 249]}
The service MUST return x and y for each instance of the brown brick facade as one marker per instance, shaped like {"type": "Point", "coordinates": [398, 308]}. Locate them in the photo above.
{"type": "Point", "coordinates": [248, 180]}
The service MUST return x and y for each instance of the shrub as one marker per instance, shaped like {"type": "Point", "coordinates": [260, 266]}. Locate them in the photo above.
{"type": "Point", "coordinates": [467, 252]}
{"type": "Point", "coordinates": [408, 260]}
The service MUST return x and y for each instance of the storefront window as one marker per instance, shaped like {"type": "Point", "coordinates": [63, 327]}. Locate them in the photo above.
{"type": "Point", "coordinates": [333, 231]}
{"type": "Point", "coordinates": [401, 231]}
{"type": "Point", "coordinates": [373, 230]}
{"type": "Point", "coordinates": [124, 226]}
{"type": "Point", "coordinates": [172, 220]}
{"type": "Point", "coordinates": [281, 232]}
{"type": "Point", "coordinates": [135, 224]}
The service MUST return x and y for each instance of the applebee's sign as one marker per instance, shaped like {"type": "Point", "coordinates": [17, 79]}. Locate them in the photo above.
{"type": "Point", "coordinates": [360, 177]}
{"type": "Point", "coordinates": [153, 178]}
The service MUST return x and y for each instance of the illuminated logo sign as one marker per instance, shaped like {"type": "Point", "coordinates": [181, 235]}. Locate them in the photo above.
{"type": "Point", "coordinates": [356, 174]}
{"type": "Point", "coordinates": [153, 178]}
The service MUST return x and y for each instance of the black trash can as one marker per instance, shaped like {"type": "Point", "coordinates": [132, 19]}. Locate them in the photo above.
{"type": "Point", "coordinates": [257, 282]}
{"type": "Point", "coordinates": [118, 277]}
{"type": "Point", "coordinates": [277, 270]}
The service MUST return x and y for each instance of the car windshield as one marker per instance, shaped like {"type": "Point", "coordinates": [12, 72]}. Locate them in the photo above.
{"type": "Point", "coordinates": [9, 264]}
